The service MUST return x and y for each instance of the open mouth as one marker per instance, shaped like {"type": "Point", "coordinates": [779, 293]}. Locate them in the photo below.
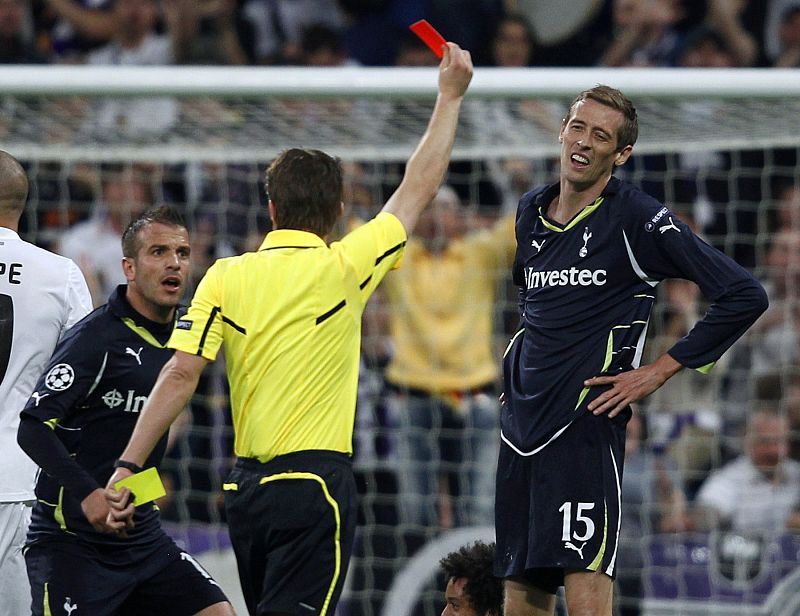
{"type": "Point", "coordinates": [579, 160]}
{"type": "Point", "coordinates": [172, 283]}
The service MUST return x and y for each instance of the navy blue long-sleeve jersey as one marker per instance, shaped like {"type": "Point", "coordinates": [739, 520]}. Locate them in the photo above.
{"type": "Point", "coordinates": [82, 413]}
{"type": "Point", "coordinates": [586, 291]}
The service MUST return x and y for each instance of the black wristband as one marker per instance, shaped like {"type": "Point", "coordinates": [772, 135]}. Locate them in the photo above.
{"type": "Point", "coordinates": [134, 468]}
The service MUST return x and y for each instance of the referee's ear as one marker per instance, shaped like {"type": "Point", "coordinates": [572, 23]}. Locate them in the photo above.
{"type": "Point", "coordinates": [273, 213]}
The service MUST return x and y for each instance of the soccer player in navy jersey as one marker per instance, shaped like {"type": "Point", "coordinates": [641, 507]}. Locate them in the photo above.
{"type": "Point", "coordinates": [75, 426]}
{"type": "Point", "coordinates": [590, 250]}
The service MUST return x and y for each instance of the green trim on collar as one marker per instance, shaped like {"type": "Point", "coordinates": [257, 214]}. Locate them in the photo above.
{"type": "Point", "coordinates": [583, 214]}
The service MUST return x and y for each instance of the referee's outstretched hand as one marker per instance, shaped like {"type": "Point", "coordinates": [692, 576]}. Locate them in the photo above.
{"type": "Point", "coordinates": [455, 71]}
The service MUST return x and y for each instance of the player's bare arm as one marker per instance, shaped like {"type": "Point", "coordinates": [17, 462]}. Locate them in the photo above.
{"type": "Point", "coordinates": [428, 164]}
{"type": "Point", "coordinates": [632, 386]}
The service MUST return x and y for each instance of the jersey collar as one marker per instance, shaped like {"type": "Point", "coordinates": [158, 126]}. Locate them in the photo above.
{"type": "Point", "coordinates": [119, 306]}
{"type": "Point", "coordinates": [548, 194]}
{"type": "Point", "coordinates": [291, 238]}
{"type": "Point", "coordinates": [8, 234]}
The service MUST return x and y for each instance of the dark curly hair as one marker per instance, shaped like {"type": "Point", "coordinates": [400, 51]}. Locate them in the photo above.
{"type": "Point", "coordinates": [474, 563]}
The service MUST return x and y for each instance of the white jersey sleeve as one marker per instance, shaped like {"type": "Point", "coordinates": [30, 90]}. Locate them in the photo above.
{"type": "Point", "coordinates": [41, 295]}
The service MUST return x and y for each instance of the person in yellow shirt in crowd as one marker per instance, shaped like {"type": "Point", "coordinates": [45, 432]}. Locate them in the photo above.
{"type": "Point", "coordinates": [443, 371]}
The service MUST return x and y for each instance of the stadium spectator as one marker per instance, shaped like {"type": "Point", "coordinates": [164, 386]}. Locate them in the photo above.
{"type": "Point", "coordinates": [472, 589]}
{"type": "Point", "coordinates": [17, 44]}
{"type": "Point", "coordinates": [72, 28]}
{"type": "Point", "coordinates": [321, 45]}
{"type": "Point", "coordinates": [645, 33]}
{"type": "Point", "coordinates": [41, 295]}
{"type": "Point", "coordinates": [94, 244]}
{"type": "Point", "coordinates": [779, 17]}
{"type": "Point", "coordinates": [278, 25]}
{"type": "Point", "coordinates": [291, 346]}
{"type": "Point", "coordinates": [789, 36]}
{"type": "Point", "coordinates": [443, 370]}
{"type": "Point", "coordinates": [760, 490]}
{"type": "Point", "coordinates": [775, 339]}
{"type": "Point", "coordinates": [137, 42]}
{"type": "Point", "coordinates": [705, 48]}
{"type": "Point", "coordinates": [75, 424]}
{"type": "Point", "coordinates": [513, 43]}
{"type": "Point", "coordinates": [590, 248]}
{"type": "Point", "coordinates": [221, 36]}
{"type": "Point", "coordinates": [725, 17]}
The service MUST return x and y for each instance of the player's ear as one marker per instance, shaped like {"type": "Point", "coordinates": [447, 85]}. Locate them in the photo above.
{"type": "Point", "coordinates": [623, 156]}
{"type": "Point", "coordinates": [128, 268]}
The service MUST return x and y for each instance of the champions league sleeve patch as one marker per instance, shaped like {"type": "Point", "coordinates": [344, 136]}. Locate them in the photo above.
{"type": "Point", "coordinates": [183, 324]}
{"type": "Point", "coordinates": [60, 377]}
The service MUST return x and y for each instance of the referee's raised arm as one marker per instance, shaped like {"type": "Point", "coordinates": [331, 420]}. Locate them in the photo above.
{"type": "Point", "coordinates": [427, 165]}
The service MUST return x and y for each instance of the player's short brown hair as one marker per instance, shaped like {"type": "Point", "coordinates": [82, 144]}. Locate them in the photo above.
{"type": "Point", "coordinates": [611, 97]}
{"type": "Point", "coordinates": [306, 188]}
{"type": "Point", "coordinates": [162, 214]}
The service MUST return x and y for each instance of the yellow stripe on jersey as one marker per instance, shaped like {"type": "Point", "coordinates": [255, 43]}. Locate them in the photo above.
{"type": "Point", "coordinates": [46, 600]}
{"type": "Point", "coordinates": [58, 513]}
{"type": "Point", "coordinates": [142, 333]}
{"type": "Point", "coordinates": [583, 214]}
{"type": "Point", "coordinates": [337, 545]}
{"type": "Point", "coordinates": [289, 317]}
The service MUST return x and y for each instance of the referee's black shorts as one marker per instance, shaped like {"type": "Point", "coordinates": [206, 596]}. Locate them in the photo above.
{"type": "Point", "coordinates": [68, 575]}
{"type": "Point", "coordinates": [558, 509]}
{"type": "Point", "coordinates": [292, 523]}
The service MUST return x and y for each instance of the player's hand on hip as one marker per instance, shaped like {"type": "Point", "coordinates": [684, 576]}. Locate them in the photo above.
{"type": "Point", "coordinates": [626, 388]}
{"type": "Point", "coordinates": [455, 71]}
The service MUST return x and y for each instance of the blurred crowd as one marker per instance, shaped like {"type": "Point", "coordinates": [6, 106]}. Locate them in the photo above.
{"type": "Point", "coordinates": [719, 33]}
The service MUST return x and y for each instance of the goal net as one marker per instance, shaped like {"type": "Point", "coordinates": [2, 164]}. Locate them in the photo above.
{"type": "Point", "coordinates": [718, 147]}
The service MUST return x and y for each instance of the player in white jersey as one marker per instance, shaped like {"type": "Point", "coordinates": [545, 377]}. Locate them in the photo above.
{"type": "Point", "coordinates": [41, 295]}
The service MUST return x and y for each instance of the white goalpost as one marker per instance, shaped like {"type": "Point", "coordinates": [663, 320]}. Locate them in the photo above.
{"type": "Point", "coordinates": [719, 147]}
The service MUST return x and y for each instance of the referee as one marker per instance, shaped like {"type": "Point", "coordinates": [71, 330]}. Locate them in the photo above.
{"type": "Point", "coordinates": [289, 316]}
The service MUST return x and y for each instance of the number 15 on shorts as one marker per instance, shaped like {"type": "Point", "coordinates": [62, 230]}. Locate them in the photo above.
{"type": "Point", "coordinates": [583, 525]}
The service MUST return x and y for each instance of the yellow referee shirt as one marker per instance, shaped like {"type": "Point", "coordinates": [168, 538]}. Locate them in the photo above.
{"type": "Point", "coordinates": [289, 316]}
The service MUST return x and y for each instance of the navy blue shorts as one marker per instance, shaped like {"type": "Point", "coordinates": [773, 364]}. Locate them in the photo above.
{"type": "Point", "coordinates": [559, 509]}
{"type": "Point", "coordinates": [69, 576]}
{"type": "Point", "coordinates": [292, 524]}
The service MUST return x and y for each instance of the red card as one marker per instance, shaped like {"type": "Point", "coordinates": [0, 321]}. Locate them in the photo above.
{"type": "Point", "coordinates": [429, 35]}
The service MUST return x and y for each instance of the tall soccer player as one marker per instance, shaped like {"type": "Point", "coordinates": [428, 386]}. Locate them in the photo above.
{"type": "Point", "coordinates": [75, 425]}
{"type": "Point", "coordinates": [590, 250]}
{"type": "Point", "coordinates": [289, 316]}
{"type": "Point", "coordinates": [41, 295]}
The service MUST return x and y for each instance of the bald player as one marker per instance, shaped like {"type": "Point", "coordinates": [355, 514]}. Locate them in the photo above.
{"type": "Point", "coordinates": [41, 296]}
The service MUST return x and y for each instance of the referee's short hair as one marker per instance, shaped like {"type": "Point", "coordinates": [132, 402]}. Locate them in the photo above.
{"type": "Point", "coordinates": [474, 563]}
{"type": "Point", "coordinates": [306, 188]}
{"type": "Point", "coordinates": [162, 214]}
{"type": "Point", "coordinates": [611, 97]}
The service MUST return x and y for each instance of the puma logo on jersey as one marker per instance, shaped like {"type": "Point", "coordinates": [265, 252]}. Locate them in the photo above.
{"type": "Point", "coordinates": [538, 246]}
{"type": "Point", "coordinates": [69, 606]}
{"type": "Point", "coordinates": [136, 354]}
{"type": "Point", "coordinates": [572, 546]}
{"type": "Point", "coordinates": [666, 228]}
{"type": "Point", "coordinates": [37, 396]}
{"type": "Point", "coordinates": [587, 235]}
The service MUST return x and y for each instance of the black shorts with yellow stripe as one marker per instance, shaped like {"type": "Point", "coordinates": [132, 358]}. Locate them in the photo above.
{"type": "Point", "coordinates": [292, 523]}
{"type": "Point", "coordinates": [558, 509]}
